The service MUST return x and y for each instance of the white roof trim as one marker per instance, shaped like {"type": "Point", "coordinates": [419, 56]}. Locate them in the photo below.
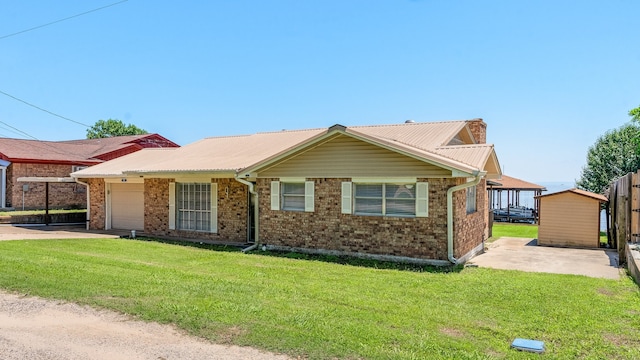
{"type": "Point", "coordinates": [46, 179]}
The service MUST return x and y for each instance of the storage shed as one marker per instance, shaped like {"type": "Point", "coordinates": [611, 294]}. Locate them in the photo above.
{"type": "Point", "coordinates": [570, 218]}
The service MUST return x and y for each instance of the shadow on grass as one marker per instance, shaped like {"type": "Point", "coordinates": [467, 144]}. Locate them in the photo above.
{"type": "Point", "coordinates": [333, 259]}
{"type": "Point", "coordinates": [360, 262]}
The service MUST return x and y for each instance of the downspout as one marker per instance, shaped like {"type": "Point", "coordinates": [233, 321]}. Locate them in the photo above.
{"type": "Point", "coordinates": [478, 176]}
{"type": "Point", "coordinates": [88, 202]}
{"type": "Point", "coordinates": [253, 192]}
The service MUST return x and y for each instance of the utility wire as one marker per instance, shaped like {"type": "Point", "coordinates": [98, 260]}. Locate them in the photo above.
{"type": "Point", "coordinates": [2, 127]}
{"type": "Point", "coordinates": [18, 130]}
{"type": "Point", "coordinates": [45, 110]}
{"type": "Point", "coordinates": [61, 20]}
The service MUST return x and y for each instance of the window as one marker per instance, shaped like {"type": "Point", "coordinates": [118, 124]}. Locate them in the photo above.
{"type": "Point", "coordinates": [471, 200]}
{"type": "Point", "coordinates": [193, 206]}
{"type": "Point", "coordinates": [385, 199]}
{"type": "Point", "coordinates": [292, 195]}
{"type": "Point", "coordinates": [75, 168]}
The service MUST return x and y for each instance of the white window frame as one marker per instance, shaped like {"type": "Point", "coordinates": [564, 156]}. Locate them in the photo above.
{"type": "Point", "coordinates": [278, 195]}
{"type": "Point", "coordinates": [284, 196]}
{"type": "Point", "coordinates": [472, 199]}
{"type": "Point", "coordinates": [209, 211]}
{"type": "Point", "coordinates": [421, 198]}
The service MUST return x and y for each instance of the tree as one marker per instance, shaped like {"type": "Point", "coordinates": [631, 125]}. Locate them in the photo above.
{"type": "Point", "coordinates": [635, 114]}
{"type": "Point", "coordinates": [112, 127]}
{"type": "Point", "coordinates": [613, 155]}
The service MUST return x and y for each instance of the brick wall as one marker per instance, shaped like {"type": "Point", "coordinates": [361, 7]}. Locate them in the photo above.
{"type": "Point", "coordinates": [61, 195]}
{"type": "Point", "coordinates": [96, 203]}
{"type": "Point", "coordinates": [478, 129]}
{"type": "Point", "coordinates": [232, 211]}
{"type": "Point", "coordinates": [328, 229]}
{"type": "Point", "coordinates": [469, 229]}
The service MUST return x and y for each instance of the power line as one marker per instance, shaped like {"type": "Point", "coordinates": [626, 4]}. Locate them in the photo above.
{"type": "Point", "coordinates": [2, 127]}
{"type": "Point", "coordinates": [41, 109]}
{"type": "Point", "coordinates": [61, 20]}
{"type": "Point", "coordinates": [18, 130]}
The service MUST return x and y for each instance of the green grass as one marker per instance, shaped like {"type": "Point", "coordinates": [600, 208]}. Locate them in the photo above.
{"type": "Point", "coordinates": [514, 230]}
{"type": "Point", "coordinates": [38, 212]}
{"type": "Point", "coordinates": [321, 310]}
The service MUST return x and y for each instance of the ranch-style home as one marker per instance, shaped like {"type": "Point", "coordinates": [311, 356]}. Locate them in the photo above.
{"type": "Point", "coordinates": [20, 158]}
{"type": "Point", "coordinates": [409, 192]}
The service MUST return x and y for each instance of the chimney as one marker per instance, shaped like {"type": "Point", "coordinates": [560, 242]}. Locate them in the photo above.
{"type": "Point", "coordinates": [478, 129]}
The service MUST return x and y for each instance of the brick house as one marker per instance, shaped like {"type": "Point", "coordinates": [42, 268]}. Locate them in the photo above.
{"type": "Point", "coordinates": [409, 192]}
{"type": "Point", "coordinates": [35, 158]}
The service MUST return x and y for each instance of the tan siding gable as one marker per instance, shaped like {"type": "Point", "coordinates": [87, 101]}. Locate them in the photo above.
{"type": "Point", "coordinates": [344, 156]}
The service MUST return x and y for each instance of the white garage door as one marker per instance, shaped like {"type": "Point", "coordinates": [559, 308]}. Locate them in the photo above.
{"type": "Point", "coordinates": [127, 206]}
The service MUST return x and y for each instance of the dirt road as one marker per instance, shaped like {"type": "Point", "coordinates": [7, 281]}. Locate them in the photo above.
{"type": "Point", "coordinates": [37, 329]}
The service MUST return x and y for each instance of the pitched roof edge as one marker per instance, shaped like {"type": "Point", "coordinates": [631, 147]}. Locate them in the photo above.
{"type": "Point", "coordinates": [415, 152]}
{"type": "Point", "coordinates": [580, 192]}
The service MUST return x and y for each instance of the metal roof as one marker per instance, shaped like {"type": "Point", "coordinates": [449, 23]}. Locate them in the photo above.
{"type": "Point", "coordinates": [426, 141]}
{"type": "Point", "coordinates": [595, 196]}
{"type": "Point", "coordinates": [511, 183]}
{"type": "Point", "coordinates": [117, 167]}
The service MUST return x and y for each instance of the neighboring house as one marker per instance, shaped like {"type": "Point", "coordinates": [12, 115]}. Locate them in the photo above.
{"type": "Point", "coordinates": [35, 158]}
{"type": "Point", "coordinates": [412, 191]}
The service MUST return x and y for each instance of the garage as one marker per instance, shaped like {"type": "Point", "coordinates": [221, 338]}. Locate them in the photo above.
{"type": "Point", "coordinates": [127, 206]}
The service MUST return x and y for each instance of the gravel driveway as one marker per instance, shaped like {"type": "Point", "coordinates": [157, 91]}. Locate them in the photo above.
{"type": "Point", "coordinates": [36, 329]}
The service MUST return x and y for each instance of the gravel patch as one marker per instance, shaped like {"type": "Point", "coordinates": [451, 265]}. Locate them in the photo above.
{"type": "Point", "coordinates": [34, 328]}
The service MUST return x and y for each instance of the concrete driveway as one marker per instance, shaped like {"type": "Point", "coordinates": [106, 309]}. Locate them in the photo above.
{"type": "Point", "coordinates": [34, 232]}
{"type": "Point", "coordinates": [525, 255]}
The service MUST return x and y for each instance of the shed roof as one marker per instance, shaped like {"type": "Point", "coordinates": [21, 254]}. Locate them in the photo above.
{"type": "Point", "coordinates": [595, 196]}
{"type": "Point", "coordinates": [429, 141]}
{"type": "Point", "coordinates": [511, 183]}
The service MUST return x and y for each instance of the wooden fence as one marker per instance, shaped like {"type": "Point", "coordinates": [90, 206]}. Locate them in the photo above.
{"type": "Point", "coordinates": [623, 213]}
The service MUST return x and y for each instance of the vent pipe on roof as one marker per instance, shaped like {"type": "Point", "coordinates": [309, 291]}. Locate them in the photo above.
{"type": "Point", "coordinates": [409, 122]}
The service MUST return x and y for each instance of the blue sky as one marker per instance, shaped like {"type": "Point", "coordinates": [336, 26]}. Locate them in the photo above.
{"type": "Point", "coordinates": [548, 77]}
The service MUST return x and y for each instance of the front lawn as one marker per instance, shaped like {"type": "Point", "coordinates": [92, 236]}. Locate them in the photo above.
{"type": "Point", "coordinates": [321, 310]}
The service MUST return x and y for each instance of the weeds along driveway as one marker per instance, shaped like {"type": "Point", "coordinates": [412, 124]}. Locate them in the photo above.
{"type": "Point", "coordinates": [524, 254]}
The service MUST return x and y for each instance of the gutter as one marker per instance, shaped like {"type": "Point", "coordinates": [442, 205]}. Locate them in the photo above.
{"type": "Point", "coordinates": [478, 176]}
{"type": "Point", "coordinates": [88, 202]}
{"type": "Point", "coordinates": [253, 192]}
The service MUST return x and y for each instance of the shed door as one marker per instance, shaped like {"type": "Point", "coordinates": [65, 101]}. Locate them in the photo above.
{"type": "Point", "coordinates": [127, 206]}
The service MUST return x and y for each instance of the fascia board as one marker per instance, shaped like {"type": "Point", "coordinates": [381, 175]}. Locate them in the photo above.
{"type": "Point", "coordinates": [421, 155]}
{"type": "Point", "coordinates": [182, 173]}
{"type": "Point", "coordinates": [306, 144]}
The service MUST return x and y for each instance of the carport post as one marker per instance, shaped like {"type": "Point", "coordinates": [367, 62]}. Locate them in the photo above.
{"type": "Point", "coordinates": [46, 204]}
